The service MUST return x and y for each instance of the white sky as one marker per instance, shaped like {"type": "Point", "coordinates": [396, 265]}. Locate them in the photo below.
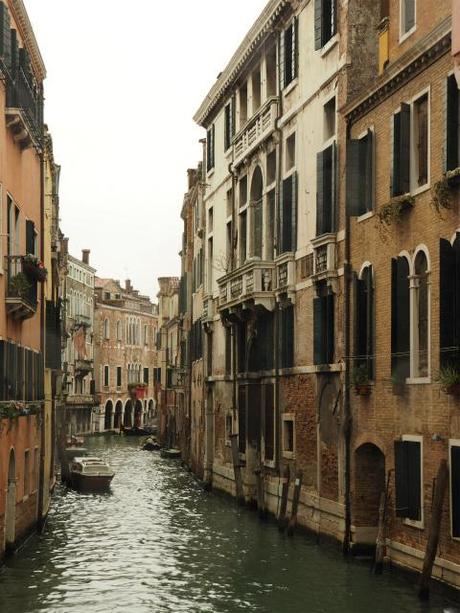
{"type": "Point", "coordinates": [124, 80]}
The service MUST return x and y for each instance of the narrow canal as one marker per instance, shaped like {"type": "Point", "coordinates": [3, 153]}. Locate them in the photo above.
{"type": "Point", "coordinates": [159, 543]}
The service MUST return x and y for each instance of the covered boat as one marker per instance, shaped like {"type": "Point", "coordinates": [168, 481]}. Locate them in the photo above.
{"type": "Point", "coordinates": [90, 474]}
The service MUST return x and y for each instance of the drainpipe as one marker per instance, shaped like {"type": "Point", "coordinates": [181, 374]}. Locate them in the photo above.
{"type": "Point", "coordinates": [346, 391]}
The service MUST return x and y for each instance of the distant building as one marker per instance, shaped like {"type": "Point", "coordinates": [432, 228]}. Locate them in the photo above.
{"type": "Point", "coordinates": [125, 329]}
{"type": "Point", "coordinates": [78, 354]}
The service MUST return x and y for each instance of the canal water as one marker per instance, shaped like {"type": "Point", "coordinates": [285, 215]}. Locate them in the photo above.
{"type": "Point", "coordinates": [159, 543]}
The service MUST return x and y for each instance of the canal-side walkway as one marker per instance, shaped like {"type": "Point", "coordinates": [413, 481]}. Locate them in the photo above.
{"type": "Point", "coordinates": [159, 543]}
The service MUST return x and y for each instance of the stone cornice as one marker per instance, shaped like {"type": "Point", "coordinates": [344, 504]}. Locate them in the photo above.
{"type": "Point", "coordinates": [22, 20]}
{"type": "Point", "coordinates": [409, 66]}
{"type": "Point", "coordinates": [255, 37]}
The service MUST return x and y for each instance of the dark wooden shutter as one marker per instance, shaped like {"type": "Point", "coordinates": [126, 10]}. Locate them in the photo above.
{"type": "Point", "coordinates": [294, 212]}
{"type": "Point", "coordinates": [269, 423]}
{"type": "Point", "coordinates": [30, 237]}
{"type": "Point", "coordinates": [318, 332]}
{"type": "Point", "coordinates": [405, 148]}
{"type": "Point", "coordinates": [414, 479]}
{"type": "Point", "coordinates": [318, 24]}
{"type": "Point", "coordinates": [455, 490]}
{"type": "Point", "coordinates": [400, 320]}
{"type": "Point", "coordinates": [447, 315]}
{"type": "Point", "coordinates": [5, 34]}
{"type": "Point", "coordinates": [354, 206]}
{"type": "Point", "coordinates": [295, 47]}
{"type": "Point", "coordinates": [3, 387]}
{"type": "Point", "coordinates": [242, 418]}
{"type": "Point", "coordinates": [452, 124]}
{"type": "Point", "coordinates": [401, 480]}
{"type": "Point", "coordinates": [367, 145]}
{"type": "Point", "coordinates": [14, 51]}
{"type": "Point", "coordinates": [361, 320]}
{"type": "Point", "coordinates": [396, 167]}
{"type": "Point", "coordinates": [282, 60]}
{"type": "Point", "coordinates": [328, 189]}
{"type": "Point", "coordinates": [320, 217]}
{"type": "Point", "coordinates": [384, 8]}
{"type": "Point", "coordinates": [253, 409]}
{"type": "Point", "coordinates": [330, 327]}
{"type": "Point", "coordinates": [422, 118]}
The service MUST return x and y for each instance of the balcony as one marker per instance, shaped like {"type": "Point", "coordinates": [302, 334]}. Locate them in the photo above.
{"type": "Point", "coordinates": [324, 257]}
{"type": "Point", "coordinates": [285, 273]}
{"type": "Point", "coordinates": [253, 282]}
{"type": "Point", "coordinates": [81, 400]}
{"type": "Point", "coordinates": [21, 289]}
{"type": "Point", "coordinates": [83, 367]}
{"type": "Point", "coordinates": [208, 309]}
{"type": "Point", "coordinates": [82, 320]}
{"type": "Point", "coordinates": [24, 111]}
{"type": "Point", "coordinates": [258, 128]}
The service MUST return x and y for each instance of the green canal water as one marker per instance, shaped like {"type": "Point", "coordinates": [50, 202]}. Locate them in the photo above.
{"type": "Point", "coordinates": [159, 543]}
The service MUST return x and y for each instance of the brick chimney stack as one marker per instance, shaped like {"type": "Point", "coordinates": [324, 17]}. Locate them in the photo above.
{"type": "Point", "coordinates": [85, 256]}
{"type": "Point", "coordinates": [128, 285]}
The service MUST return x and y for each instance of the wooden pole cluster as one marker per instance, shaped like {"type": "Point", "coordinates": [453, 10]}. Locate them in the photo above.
{"type": "Point", "coordinates": [237, 469]}
{"type": "Point", "coordinates": [282, 521]}
{"type": "Point", "coordinates": [295, 504]}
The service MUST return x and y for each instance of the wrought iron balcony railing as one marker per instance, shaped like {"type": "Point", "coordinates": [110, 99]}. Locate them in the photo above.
{"type": "Point", "coordinates": [24, 110]}
{"type": "Point", "coordinates": [21, 289]}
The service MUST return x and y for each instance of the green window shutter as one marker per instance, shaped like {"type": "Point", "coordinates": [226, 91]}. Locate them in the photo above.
{"type": "Point", "coordinates": [409, 14]}
{"type": "Point", "coordinates": [401, 480]}
{"type": "Point", "coordinates": [318, 332]}
{"type": "Point", "coordinates": [320, 221]}
{"type": "Point", "coordinates": [287, 216]}
{"type": "Point", "coordinates": [279, 246]}
{"type": "Point", "coordinates": [400, 319]}
{"type": "Point", "coordinates": [5, 34]}
{"type": "Point", "coordinates": [448, 279]}
{"type": "Point", "coordinates": [396, 170]}
{"type": "Point", "coordinates": [295, 47]}
{"type": "Point", "coordinates": [452, 124]}
{"type": "Point", "coordinates": [30, 237]}
{"type": "Point", "coordinates": [329, 301]}
{"type": "Point", "coordinates": [354, 206]}
{"type": "Point", "coordinates": [367, 148]}
{"type": "Point", "coordinates": [294, 198]}
{"type": "Point", "coordinates": [14, 51]}
{"type": "Point", "coordinates": [404, 158]}
{"type": "Point", "coordinates": [414, 476]}
{"type": "Point", "coordinates": [318, 24]}
{"type": "Point", "coordinates": [455, 491]}
{"type": "Point", "coordinates": [282, 59]}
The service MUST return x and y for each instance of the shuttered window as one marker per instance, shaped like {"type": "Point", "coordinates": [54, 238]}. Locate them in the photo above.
{"type": "Point", "coordinates": [288, 215]}
{"type": "Point", "coordinates": [242, 418]}
{"type": "Point", "coordinates": [106, 376]}
{"type": "Point", "coordinates": [253, 410]}
{"type": "Point", "coordinates": [286, 332]}
{"type": "Point", "coordinates": [210, 151]}
{"type": "Point", "coordinates": [228, 350]}
{"type": "Point", "coordinates": [360, 175]}
{"type": "Point", "coordinates": [242, 349]}
{"type": "Point", "coordinates": [289, 54]}
{"type": "Point", "coordinates": [401, 151]}
{"type": "Point", "coordinates": [449, 296]}
{"type": "Point", "coordinates": [5, 34]}
{"type": "Point", "coordinates": [326, 190]}
{"type": "Point", "coordinates": [400, 320]}
{"type": "Point", "coordinates": [452, 128]}
{"type": "Point", "coordinates": [229, 124]}
{"type": "Point", "coordinates": [323, 326]}
{"type": "Point", "coordinates": [455, 489]}
{"type": "Point", "coordinates": [408, 481]}
{"type": "Point", "coordinates": [53, 335]}
{"type": "Point", "coordinates": [421, 139]}
{"type": "Point", "coordinates": [407, 16]}
{"type": "Point", "coordinates": [30, 237]}
{"type": "Point", "coordinates": [269, 423]}
{"type": "Point", "coordinates": [257, 227]}
{"type": "Point", "coordinates": [364, 323]}
{"type": "Point", "coordinates": [325, 21]}
{"type": "Point", "coordinates": [118, 376]}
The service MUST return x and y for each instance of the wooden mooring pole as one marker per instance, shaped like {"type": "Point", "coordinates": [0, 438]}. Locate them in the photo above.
{"type": "Point", "coordinates": [284, 500]}
{"type": "Point", "coordinates": [380, 543]}
{"type": "Point", "coordinates": [295, 504]}
{"type": "Point", "coordinates": [261, 509]}
{"type": "Point", "coordinates": [435, 528]}
{"type": "Point", "coordinates": [237, 469]}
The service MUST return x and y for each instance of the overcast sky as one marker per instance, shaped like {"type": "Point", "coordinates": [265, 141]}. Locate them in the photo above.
{"type": "Point", "coordinates": [124, 81]}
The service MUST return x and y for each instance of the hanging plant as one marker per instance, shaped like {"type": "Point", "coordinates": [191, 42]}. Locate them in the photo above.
{"type": "Point", "coordinates": [361, 380]}
{"type": "Point", "coordinates": [34, 268]}
{"type": "Point", "coordinates": [394, 209]}
{"type": "Point", "coordinates": [449, 379]}
{"type": "Point", "coordinates": [442, 191]}
{"type": "Point", "coordinates": [19, 285]}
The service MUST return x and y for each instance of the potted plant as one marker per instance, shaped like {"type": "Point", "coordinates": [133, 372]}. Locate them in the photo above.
{"type": "Point", "coordinates": [34, 268]}
{"type": "Point", "coordinates": [399, 384]}
{"type": "Point", "coordinates": [449, 379]}
{"type": "Point", "coordinates": [360, 380]}
{"type": "Point", "coordinates": [19, 285]}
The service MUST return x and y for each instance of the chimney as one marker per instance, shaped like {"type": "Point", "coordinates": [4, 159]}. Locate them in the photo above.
{"type": "Point", "coordinates": [85, 256]}
{"type": "Point", "coordinates": [65, 245]}
{"type": "Point", "coordinates": [128, 285]}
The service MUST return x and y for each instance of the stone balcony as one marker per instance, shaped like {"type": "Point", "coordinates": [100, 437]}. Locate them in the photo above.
{"type": "Point", "coordinates": [324, 257]}
{"type": "Point", "coordinates": [256, 130]}
{"type": "Point", "coordinates": [254, 283]}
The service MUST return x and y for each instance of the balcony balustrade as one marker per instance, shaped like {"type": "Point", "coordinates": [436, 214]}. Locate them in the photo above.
{"type": "Point", "coordinates": [252, 282]}
{"type": "Point", "coordinates": [83, 367]}
{"type": "Point", "coordinates": [258, 128]}
{"type": "Point", "coordinates": [24, 110]}
{"type": "Point", "coordinates": [21, 289]}
{"type": "Point", "coordinates": [324, 256]}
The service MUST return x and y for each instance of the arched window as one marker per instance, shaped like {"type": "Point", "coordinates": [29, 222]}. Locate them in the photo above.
{"type": "Point", "coordinates": [420, 323]}
{"type": "Point", "coordinates": [365, 322]}
{"type": "Point", "coordinates": [256, 204]}
{"type": "Point", "coordinates": [106, 329]}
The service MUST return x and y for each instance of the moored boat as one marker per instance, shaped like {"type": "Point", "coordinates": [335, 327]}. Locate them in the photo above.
{"type": "Point", "coordinates": [171, 454]}
{"type": "Point", "coordinates": [90, 474]}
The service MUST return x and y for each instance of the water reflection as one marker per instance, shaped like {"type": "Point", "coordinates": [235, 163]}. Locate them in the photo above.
{"type": "Point", "coordinates": [158, 542]}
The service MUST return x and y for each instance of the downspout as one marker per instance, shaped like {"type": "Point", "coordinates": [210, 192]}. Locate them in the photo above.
{"type": "Point", "coordinates": [347, 426]}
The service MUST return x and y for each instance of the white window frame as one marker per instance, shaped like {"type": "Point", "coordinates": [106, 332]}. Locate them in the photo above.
{"type": "Point", "coordinates": [415, 378]}
{"type": "Point", "coordinates": [287, 453]}
{"type": "Point", "coordinates": [455, 442]}
{"type": "Point", "coordinates": [420, 524]}
{"type": "Point", "coordinates": [402, 19]}
{"type": "Point", "coordinates": [106, 366]}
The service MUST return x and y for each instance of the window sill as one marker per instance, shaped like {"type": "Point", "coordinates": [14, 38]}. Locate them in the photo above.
{"type": "Point", "coordinates": [404, 37]}
{"type": "Point", "coordinates": [271, 464]}
{"type": "Point", "coordinates": [210, 172]}
{"type": "Point", "coordinates": [418, 381]}
{"type": "Point", "coordinates": [292, 85]}
{"type": "Point", "coordinates": [420, 190]}
{"type": "Point", "coordinates": [331, 43]}
{"type": "Point", "coordinates": [365, 216]}
{"type": "Point", "coordinates": [288, 455]}
{"type": "Point", "coordinates": [419, 525]}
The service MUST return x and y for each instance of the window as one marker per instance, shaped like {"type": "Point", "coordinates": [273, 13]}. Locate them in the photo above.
{"type": "Point", "coordinates": [286, 332]}
{"type": "Point", "coordinates": [306, 266]}
{"type": "Point", "coordinates": [420, 289]}
{"type": "Point", "coordinates": [325, 21]}
{"type": "Point", "coordinates": [323, 325]}
{"type": "Point", "coordinates": [210, 219]}
{"type": "Point", "coordinates": [326, 190]}
{"type": "Point", "coordinates": [146, 335]}
{"type": "Point", "coordinates": [106, 376]}
{"type": "Point", "coordinates": [365, 323]}
{"type": "Point", "coordinates": [288, 215]}
{"type": "Point", "coordinates": [146, 376]}
{"type": "Point", "coordinates": [210, 265]}
{"type": "Point", "coordinates": [243, 237]}
{"type": "Point", "coordinates": [420, 141]}
{"type": "Point", "coordinates": [289, 54]}
{"type": "Point", "coordinates": [271, 71]}
{"type": "Point", "coordinates": [119, 331]}
{"type": "Point", "coordinates": [229, 247]}
{"type": "Point", "coordinates": [229, 202]}
{"type": "Point", "coordinates": [400, 320]}
{"type": "Point", "coordinates": [269, 423]}
{"type": "Point", "coordinates": [288, 435]}
{"type": "Point", "coordinates": [408, 478]}
{"type": "Point", "coordinates": [242, 418]}
{"type": "Point", "coordinates": [118, 377]}
{"type": "Point", "coordinates": [256, 86]}
{"type": "Point", "coordinates": [228, 350]}
{"type": "Point", "coordinates": [401, 151]}
{"type": "Point", "coordinates": [290, 152]}
{"type": "Point", "coordinates": [229, 124]}
{"type": "Point", "coordinates": [407, 16]}
{"type": "Point", "coordinates": [210, 142]}
{"type": "Point", "coordinates": [257, 227]}
{"type": "Point", "coordinates": [106, 329]}
{"type": "Point", "coordinates": [452, 124]}
{"type": "Point", "coordinates": [455, 488]}
{"type": "Point", "coordinates": [360, 175]}
{"type": "Point", "coordinates": [449, 307]}
{"type": "Point", "coordinates": [243, 185]}
{"type": "Point", "coordinates": [106, 295]}
{"type": "Point", "coordinates": [271, 167]}
{"type": "Point", "coordinates": [26, 472]}
{"type": "Point", "coordinates": [270, 226]}
{"type": "Point", "coordinates": [36, 473]}
{"type": "Point", "coordinates": [329, 120]}
{"type": "Point", "coordinates": [243, 100]}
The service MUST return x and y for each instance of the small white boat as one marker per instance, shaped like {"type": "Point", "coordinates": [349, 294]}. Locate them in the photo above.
{"type": "Point", "coordinates": [90, 474]}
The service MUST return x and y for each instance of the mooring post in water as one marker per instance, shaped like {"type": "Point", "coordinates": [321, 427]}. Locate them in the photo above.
{"type": "Point", "coordinates": [295, 504]}
{"type": "Point", "coordinates": [434, 530]}
{"type": "Point", "coordinates": [284, 500]}
{"type": "Point", "coordinates": [260, 494]}
{"type": "Point", "coordinates": [380, 543]}
{"type": "Point", "coordinates": [237, 469]}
